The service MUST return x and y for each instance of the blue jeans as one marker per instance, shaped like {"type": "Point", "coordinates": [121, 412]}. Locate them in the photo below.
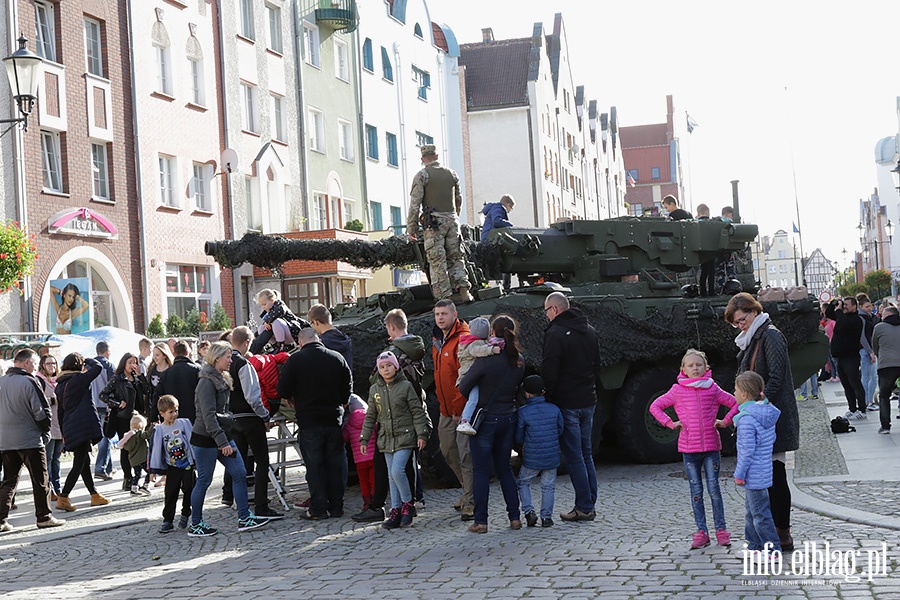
{"type": "Point", "coordinates": [709, 463]}
{"type": "Point", "coordinates": [396, 464]}
{"type": "Point", "coordinates": [548, 489]}
{"type": "Point", "coordinates": [205, 460]}
{"type": "Point", "coordinates": [326, 467]}
{"type": "Point", "coordinates": [471, 405]}
{"type": "Point", "coordinates": [103, 464]}
{"type": "Point", "coordinates": [812, 381]}
{"type": "Point", "coordinates": [493, 445]}
{"type": "Point", "coordinates": [54, 449]}
{"type": "Point", "coordinates": [869, 375]}
{"type": "Point", "coordinates": [579, 454]}
{"type": "Point", "coordinates": [759, 527]}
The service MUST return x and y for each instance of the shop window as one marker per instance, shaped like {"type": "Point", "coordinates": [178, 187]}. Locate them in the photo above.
{"type": "Point", "coordinates": [187, 288]}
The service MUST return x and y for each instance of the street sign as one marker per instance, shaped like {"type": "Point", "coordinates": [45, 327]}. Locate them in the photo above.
{"type": "Point", "coordinates": [825, 297]}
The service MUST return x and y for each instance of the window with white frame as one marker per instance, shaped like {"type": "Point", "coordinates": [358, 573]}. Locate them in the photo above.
{"type": "Point", "coordinates": [274, 18]}
{"type": "Point", "coordinates": [163, 73]}
{"type": "Point", "coordinates": [200, 188]}
{"type": "Point", "coordinates": [311, 45]}
{"type": "Point", "coordinates": [372, 142]}
{"type": "Point", "coordinates": [93, 47]}
{"type": "Point", "coordinates": [278, 124]}
{"type": "Point", "coordinates": [100, 169]}
{"type": "Point", "coordinates": [45, 26]}
{"type": "Point", "coordinates": [254, 209]}
{"type": "Point", "coordinates": [423, 139]}
{"type": "Point", "coordinates": [390, 140]}
{"type": "Point", "coordinates": [316, 130]}
{"type": "Point", "coordinates": [320, 212]}
{"type": "Point", "coordinates": [423, 81]}
{"type": "Point", "coordinates": [188, 288]}
{"type": "Point", "coordinates": [345, 136]}
{"type": "Point", "coordinates": [167, 181]}
{"type": "Point", "coordinates": [336, 221]}
{"type": "Point", "coordinates": [341, 60]}
{"type": "Point", "coordinates": [348, 211]}
{"type": "Point", "coordinates": [51, 155]}
{"type": "Point", "coordinates": [196, 73]}
{"type": "Point", "coordinates": [251, 112]}
{"type": "Point", "coordinates": [246, 14]}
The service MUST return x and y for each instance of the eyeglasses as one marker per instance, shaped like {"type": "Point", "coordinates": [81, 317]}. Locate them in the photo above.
{"type": "Point", "coordinates": [741, 321]}
{"type": "Point", "coordinates": [546, 308]}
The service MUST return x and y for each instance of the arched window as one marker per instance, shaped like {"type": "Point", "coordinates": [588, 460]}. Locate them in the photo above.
{"type": "Point", "coordinates": [386, 67]}
{"type": "Point", "coordinates": [417, 30]}
{"type": "Point", "coordinates": [160, 38]}
{"type": "Point", "coordinates": [194, 54]}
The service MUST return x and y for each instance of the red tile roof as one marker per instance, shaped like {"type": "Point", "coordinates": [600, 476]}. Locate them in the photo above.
{"type": "Point", "coordinates": [439, 40]}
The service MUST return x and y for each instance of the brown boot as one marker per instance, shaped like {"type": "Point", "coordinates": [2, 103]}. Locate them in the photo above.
{"type": "Point", "coordinates": [62, 503]}
{"type": "Point", "coordinates": [784, 536]}
{"type": "Point", "coordinates": [98, 500]}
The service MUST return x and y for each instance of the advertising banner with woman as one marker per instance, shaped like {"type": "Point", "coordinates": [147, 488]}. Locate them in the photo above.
{"type": "Point", "coordinates": [71, 307]}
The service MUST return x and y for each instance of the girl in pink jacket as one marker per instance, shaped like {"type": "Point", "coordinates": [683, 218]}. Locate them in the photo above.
{"type": "Point", "coordinates": [696, 399]}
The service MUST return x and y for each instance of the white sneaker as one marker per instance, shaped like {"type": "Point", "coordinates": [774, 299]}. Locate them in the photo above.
{"type": "Point", "coordinates": [849, 415]}
{"type": "Point", "coordinates": [857, 416]}
{"type": "Point", "coordinates": [465, 428]}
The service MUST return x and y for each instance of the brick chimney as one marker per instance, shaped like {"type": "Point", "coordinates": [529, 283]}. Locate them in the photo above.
{"type": "Point", "coordinates": [487, 34]}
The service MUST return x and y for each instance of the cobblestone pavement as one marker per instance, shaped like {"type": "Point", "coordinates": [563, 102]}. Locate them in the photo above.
{"type": "Point", "coordinates": [637, 547]}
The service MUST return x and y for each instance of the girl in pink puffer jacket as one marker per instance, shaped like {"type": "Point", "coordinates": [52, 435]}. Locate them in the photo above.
{"type": "Point", "coordinates": [696, 399]}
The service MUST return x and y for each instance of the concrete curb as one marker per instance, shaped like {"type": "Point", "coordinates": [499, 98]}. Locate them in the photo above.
{"type": "Point", "coordinates": [61, 533]}
{"type": "Point", "coordinates": [804, 501]}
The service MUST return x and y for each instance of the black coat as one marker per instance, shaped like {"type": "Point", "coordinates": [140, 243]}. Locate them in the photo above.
{"type": "Point", "coordinates": [120, 389]}
{"type": "Point", "coordinates": [571, 360]}
{"type": "Point", "coordinates": [848, 327]}
{"type": "Point", "coordinates": [318, 381]}
{"type": "Point", "coordinates": [179, 380]}
{"type": "Point", "coordinates": [498, 383]}
{"type": "Point", "coordinates": [773, 364]}
{"type": "Point", "coordinates": [77, 416]}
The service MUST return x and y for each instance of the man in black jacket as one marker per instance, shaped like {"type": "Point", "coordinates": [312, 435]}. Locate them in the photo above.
{"type": "Point", "coordinates": [179, 380]}
{"type": "Point", "coordinates": [571, 361]}
{"type": "Point", "coordinates": [845, 347]}
{"type": "Point", "coordinates": [317, 381]}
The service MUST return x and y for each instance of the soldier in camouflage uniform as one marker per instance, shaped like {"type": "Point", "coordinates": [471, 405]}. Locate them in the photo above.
{"type": "Point", "coordinates": [435, 193]}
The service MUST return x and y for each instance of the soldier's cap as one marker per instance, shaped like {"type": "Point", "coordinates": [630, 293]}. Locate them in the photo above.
{"type": "Point", "coordinates": [428, 150]}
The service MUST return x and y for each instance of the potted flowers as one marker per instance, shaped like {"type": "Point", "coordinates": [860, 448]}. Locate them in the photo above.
{"type": "Point", "coordinates": [17, 256]}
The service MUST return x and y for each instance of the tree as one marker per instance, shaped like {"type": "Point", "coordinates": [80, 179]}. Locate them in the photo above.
{"type": "Point", "coordinates": [354, 225]}
{"type": "Point", "coordinates": [155, 328]}
{"type": "Point", "coordinates": [176, 326]}
{"type": "Point", "coordinates": [220, 320]}
{"type": "Point", "coordinates": [852, 289]}
{"type": "Point", "coordinates": [194, 323]}
{"type": "Point", "coordinates": [879, 283]}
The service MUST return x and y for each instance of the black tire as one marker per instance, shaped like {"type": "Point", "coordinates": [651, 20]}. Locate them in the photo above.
{"type": "Point", "coordinates": [638, 434]}
{"type": "Point", "coordinates": [434, 468]}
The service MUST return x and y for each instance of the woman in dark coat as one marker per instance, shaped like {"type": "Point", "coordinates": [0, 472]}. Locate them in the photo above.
{"type": "Point", "coordinates": [764, 349]}
{"type": "Point", "coordinates": [498, 377]}
{"type": "Point", "coordinates": [79, 423]}
{"type": "Point", "coordinates": [123, 395]}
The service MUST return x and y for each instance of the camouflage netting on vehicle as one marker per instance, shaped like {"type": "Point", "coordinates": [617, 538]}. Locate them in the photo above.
{"type": "Point", "coordinates": [622, 338]}
{"type": "Point", "coordinates": [272, 251]}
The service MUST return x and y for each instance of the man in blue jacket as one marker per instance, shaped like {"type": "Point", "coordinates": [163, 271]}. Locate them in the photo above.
{"type": "Point", "coordinates": [496, 215]}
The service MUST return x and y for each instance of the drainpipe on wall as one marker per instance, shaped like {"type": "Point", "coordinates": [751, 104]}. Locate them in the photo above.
{"type": "Point", "coordinates": [404, 173]}
{"type": "Point", "coordinates": [12, 26]}
{"type": "Point", "coordinates": [301, 115]}
{"type": "Point", "coordinates": [364, 191]}
{"type": "Point", "coordinates": [137, 167]}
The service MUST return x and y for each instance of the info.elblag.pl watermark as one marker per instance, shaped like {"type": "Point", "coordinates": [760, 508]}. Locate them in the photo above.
{"type": "Point", "coordinates": [817, 560]}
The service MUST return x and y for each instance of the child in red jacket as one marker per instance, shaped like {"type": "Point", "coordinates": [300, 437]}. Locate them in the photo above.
{"type": "Point", "coordinates": [365, 463]}
{"type": "Point", "coordinates": [696, 399]}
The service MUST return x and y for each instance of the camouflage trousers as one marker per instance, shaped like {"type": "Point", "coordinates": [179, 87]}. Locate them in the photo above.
{"type": "Point", "coordinates": [447, 271]}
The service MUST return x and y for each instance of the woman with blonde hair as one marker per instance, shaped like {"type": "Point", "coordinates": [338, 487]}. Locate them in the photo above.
{"type": "Point", "coordinates": [211, 441]}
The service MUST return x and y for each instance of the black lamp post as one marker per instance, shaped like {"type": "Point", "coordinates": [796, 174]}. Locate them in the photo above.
{"type": "Point", "coordinates": [896, 174]}
{"type": "Point", "coordinates": [24, 70]}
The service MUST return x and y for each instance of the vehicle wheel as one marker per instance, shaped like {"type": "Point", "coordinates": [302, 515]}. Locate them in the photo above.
{"type": "Point", "coordinates": [638, 434]}
{"type": "Point", "coordinates": [431, 462]}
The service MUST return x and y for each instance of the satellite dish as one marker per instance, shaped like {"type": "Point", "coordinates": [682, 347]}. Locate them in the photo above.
{"type": "Point", "coordinates": [230, 161]}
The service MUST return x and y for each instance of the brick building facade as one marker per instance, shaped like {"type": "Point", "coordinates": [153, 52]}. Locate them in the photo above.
{"type": "Point", "coordinates": [81, 184]}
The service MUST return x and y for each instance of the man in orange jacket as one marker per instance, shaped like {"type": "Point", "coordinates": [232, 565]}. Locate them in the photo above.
{"type": "Point", "coordinates": [454, 446]}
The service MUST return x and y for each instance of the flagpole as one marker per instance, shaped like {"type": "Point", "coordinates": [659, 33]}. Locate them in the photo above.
{"type": "Point", "coordinates": [796, 197]}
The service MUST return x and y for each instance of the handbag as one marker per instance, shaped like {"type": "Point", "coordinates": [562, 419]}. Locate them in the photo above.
{"type": "Point", "coordinates": [109, 422]}
{"type": "Point", "coordinates": [481, 412]}
{"type": "Point", "coordinates": [226, 422]}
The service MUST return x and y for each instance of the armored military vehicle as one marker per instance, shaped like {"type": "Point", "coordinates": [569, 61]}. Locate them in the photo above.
{"type": "Point", "coordinates": [623, 273]}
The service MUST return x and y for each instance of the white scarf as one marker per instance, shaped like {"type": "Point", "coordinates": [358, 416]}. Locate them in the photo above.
{"type": "Point", "coordinates": [744, 337]}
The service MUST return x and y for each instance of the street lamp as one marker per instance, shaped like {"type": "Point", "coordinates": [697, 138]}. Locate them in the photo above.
{"type": "Point", "coordinates": [23, 67]}
{"type": "Point", "coordinates": [896, 174]}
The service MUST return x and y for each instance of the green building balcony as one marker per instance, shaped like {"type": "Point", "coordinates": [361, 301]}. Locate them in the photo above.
{"type": "Point", "coordinates": [339, 14]}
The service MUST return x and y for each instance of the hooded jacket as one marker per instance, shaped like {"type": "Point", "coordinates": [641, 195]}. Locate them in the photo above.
{"type": "Point", "coordinates": [571, 360]}
{"type": "Point", "coordinates": [697, 409]}
{"type": "Point", "coordinates": [539, 426]}
{"type": "Point", "coordinates": [267, 370]}
{"type": "Point", "coordinates": [353, 428]}
{"type": "Point", "coordinates": [755, 436]}
{"type": "Point", "coordinates": [444, 352]}
{"type": "Point", "coordinates": [400, 414]}
{"type": "Point", "coordinates": [340, 342]}
{"type": "Point", "coordinates": [774, 366]}
{"type": "Point", "coordinates": [77, 416]}
{"type": "Point", "coordinates": [886, 342]}
{"type": "Point", "coordinates": [495, 217]}
{"type": "Point", "coordinates": [211, 397]}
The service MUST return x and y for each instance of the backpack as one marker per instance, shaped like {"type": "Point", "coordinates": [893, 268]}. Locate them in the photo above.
{"type": "Point", "coordinates": [841, 425]}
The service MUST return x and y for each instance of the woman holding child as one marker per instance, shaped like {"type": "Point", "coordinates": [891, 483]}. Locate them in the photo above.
{"type": "Point", "coordinates": [764, 350]}
{"type": "Point", "coordinates": [498, 377]}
